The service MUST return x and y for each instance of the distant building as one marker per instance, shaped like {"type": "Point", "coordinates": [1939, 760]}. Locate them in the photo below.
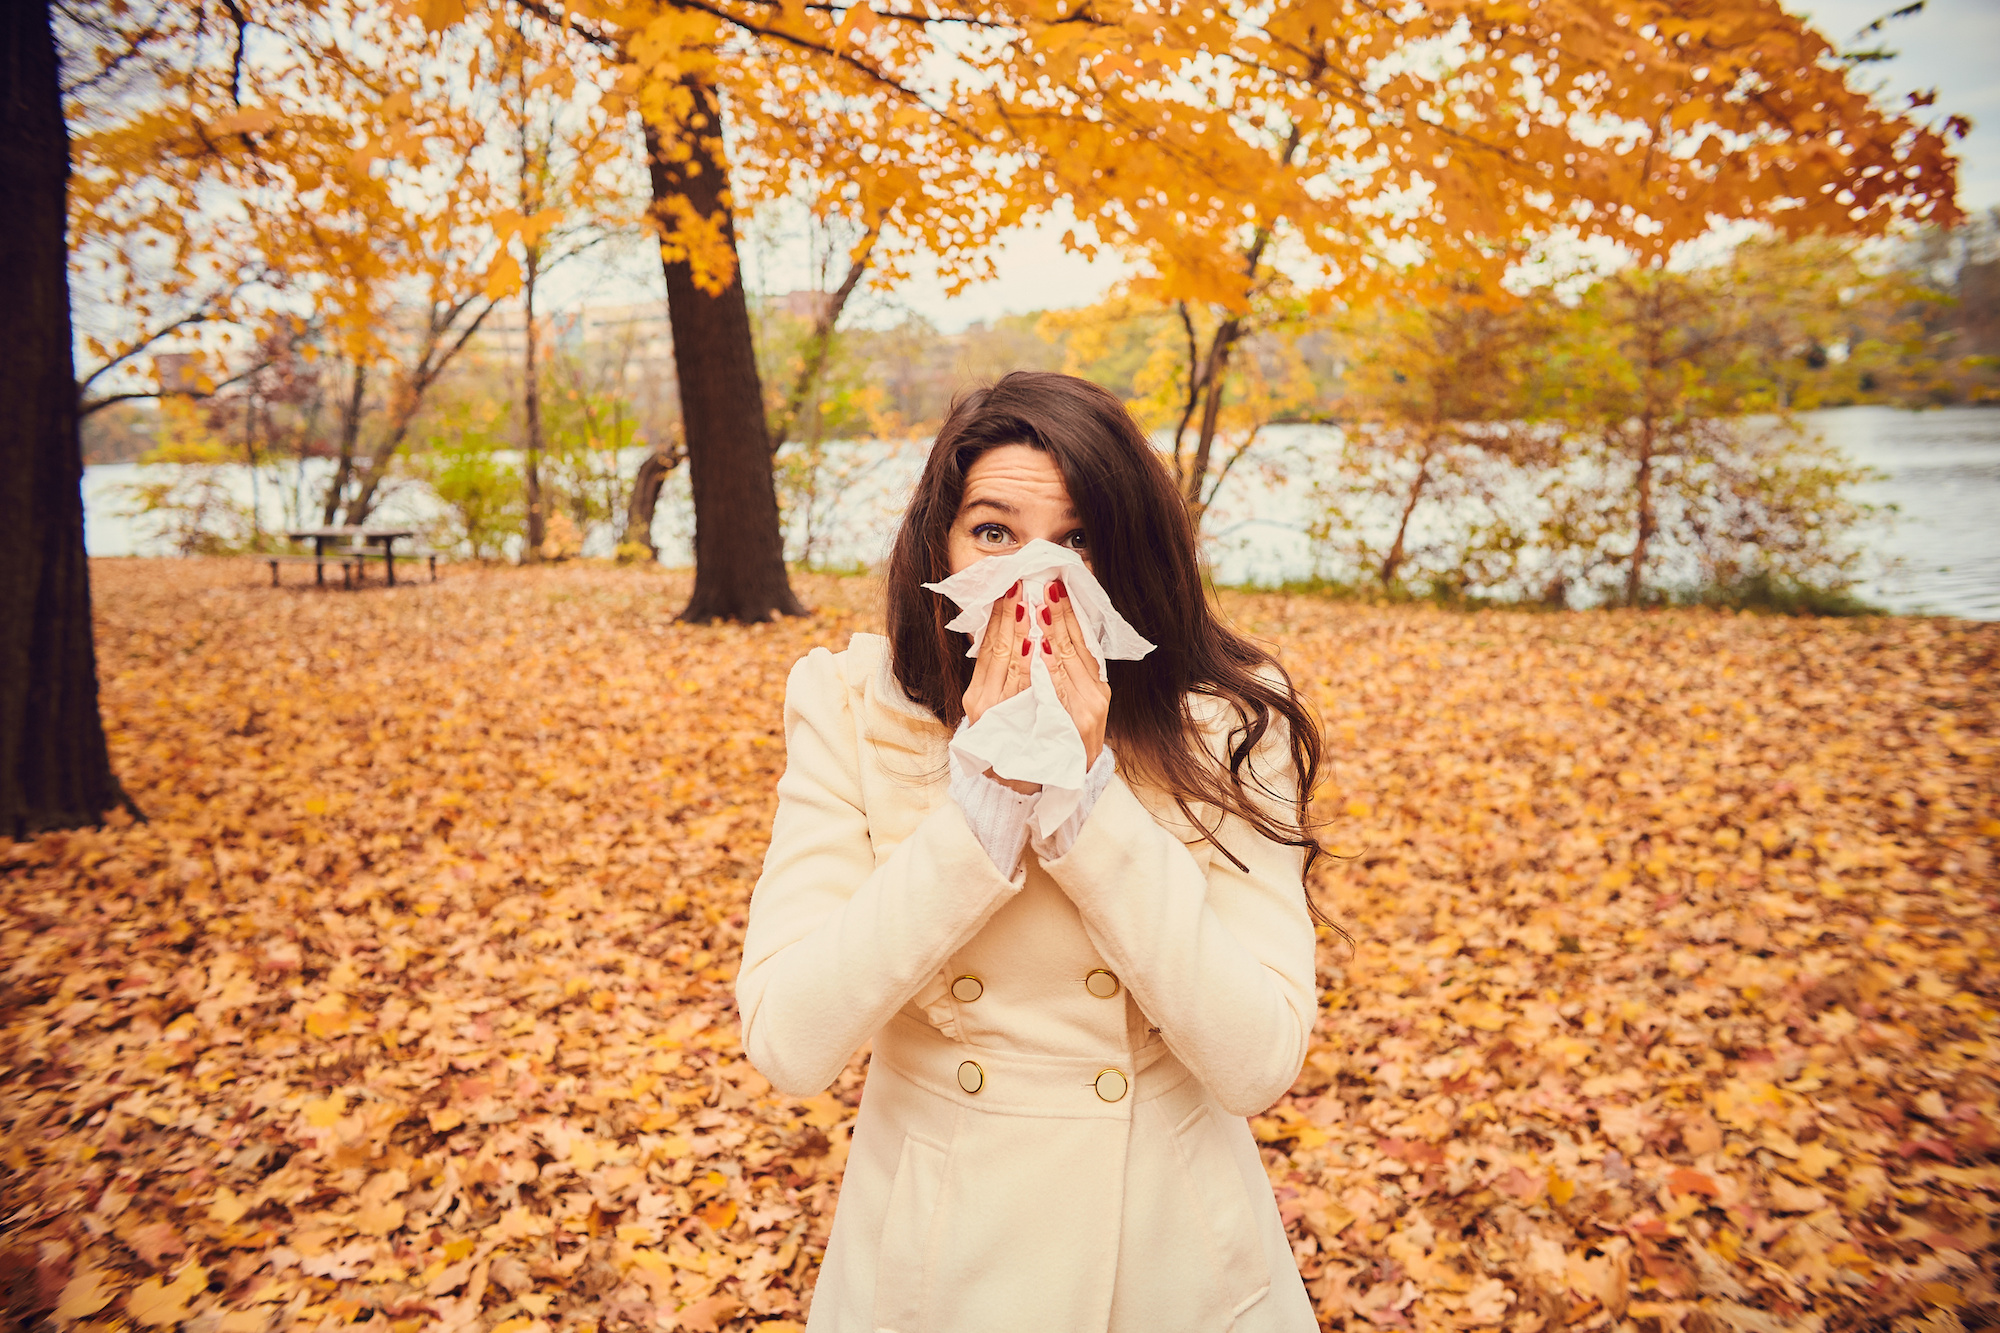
{"type": "Point", "coordinates": [812, 306]}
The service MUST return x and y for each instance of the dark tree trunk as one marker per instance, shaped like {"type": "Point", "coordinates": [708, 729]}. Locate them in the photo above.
{"type": "Point", "coordinates": [55, 771]}
{"type": "Point", "coordinates": [739, 550]}
{"type": "Point", "coordinates": [645, 498]}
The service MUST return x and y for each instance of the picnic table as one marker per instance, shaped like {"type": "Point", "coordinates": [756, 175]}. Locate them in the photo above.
{"type": "Point", "coordinates": [359, 541]}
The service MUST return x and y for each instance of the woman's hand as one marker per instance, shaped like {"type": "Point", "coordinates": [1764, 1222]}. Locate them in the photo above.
{"type": "Point", "coordinates": [1001, 671]}
{"type": "Point", "coordinates": [1074, 671]}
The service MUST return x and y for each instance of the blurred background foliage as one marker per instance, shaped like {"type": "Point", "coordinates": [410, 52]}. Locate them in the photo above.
{"type": "Point", "coordinates": [1567, 427]}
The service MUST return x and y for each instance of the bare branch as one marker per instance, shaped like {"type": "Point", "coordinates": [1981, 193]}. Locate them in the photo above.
{"type": "Point", "coordinates": [820, 344]}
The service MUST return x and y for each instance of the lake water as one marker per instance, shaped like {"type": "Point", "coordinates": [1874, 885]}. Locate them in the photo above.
{"type": "Point", "coordinates": [1939, 552]}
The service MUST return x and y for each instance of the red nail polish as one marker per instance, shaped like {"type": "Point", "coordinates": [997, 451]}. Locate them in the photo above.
{"type": "Point", "coordinates": [1056, 591]}
{"type": "Point", "coordinates": [1027, 646]}
{"type": "Point", "coordinates": [1048, 648]}
{"type": "Point", "coordinates": [1015, 589]}
{"type": "Point", "coordinates": [1019, 611]}
{"type": "Point", "coordinates": [1048, 617]}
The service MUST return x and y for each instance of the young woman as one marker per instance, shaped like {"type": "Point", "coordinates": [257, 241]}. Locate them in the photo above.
{"type": "Point", "coordinates": [1068, 1031]}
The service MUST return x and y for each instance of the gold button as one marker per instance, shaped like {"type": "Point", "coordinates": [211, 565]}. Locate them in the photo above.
{"type": "Point", "coordinates": [972, 1078]}
{"type": "Point", "coordinates": [967, 989]}
{"type": "Point", "coordinates": [1103, 985]}
{"type": "Point", "coordinates": [1112, 1084]}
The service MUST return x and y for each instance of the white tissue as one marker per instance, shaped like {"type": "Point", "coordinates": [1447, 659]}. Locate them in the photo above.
{"type": "Point", "coordinates": [1031, 737]}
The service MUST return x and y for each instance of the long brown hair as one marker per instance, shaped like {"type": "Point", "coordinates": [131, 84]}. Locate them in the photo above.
{"type": "Point", "coordinates": [1142, 550]}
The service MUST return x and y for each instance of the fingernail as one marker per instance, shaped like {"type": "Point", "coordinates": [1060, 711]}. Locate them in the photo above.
{"type": "Point", "coordinates": [1048, 648]}
{"type": "Point", "coordinates": [1056, 591]}
{"type": "Point", "coordinates": [1019, 611]}
{"type": "Point", "coordinates": [1048, 617]}
{"type": "Point", "coordinates": [1027, 646]}
{"type": "Point", "coordinates": [1015, 589]}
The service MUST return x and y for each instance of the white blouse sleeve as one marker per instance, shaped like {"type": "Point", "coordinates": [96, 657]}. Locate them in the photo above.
{"type": "Point", "coordinates": [1000, 816]}
{"type": "Point", "coordinates": [996, 813]}
{"type": "Point", "coordinates": [1057, 844]}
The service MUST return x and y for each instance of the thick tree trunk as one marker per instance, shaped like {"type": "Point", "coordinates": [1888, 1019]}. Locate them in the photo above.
{"type": "Point", "coordinates": [531, 406]}
{"type": "Point", "coordinates": [739, 550]}
{"type": "Point", "coordinates": [55, 771]}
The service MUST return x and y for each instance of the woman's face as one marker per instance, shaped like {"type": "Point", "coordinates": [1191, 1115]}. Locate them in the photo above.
{"type": "Point", "coordinates": [1013, 494]}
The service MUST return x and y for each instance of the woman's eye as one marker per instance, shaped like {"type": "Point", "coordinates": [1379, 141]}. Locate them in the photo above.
{"type": "Point", "coordinates": [991, 534]}
{"type": "Point", "coordinates": [1076, 541]}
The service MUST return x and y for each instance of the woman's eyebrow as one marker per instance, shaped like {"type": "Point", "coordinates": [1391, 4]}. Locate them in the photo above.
{"type": "Point", "coordinates": [1000, 505]}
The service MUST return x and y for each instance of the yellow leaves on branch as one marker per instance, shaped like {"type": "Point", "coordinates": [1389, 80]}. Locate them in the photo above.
{"type": "Point", "coordinates": [1672, 992]}
{"type": "Point", "coordinates": [699, 240]}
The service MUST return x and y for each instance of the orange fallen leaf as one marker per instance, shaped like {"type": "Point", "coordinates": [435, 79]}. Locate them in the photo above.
{"type": "Point", "coordinates": [1686, 1181]}
{"type": "Point", "coordinates": [154, 1303]}
{"type": "Point", "coordinates": [87, 1293]}
{"type": "Point", "coordinates": [228, 1207]}
{"type": "Point", "coordinates": [708, 1314]}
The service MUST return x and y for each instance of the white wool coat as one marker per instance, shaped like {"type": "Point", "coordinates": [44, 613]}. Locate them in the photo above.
{"type": "Point", "coordinates": [1032, 1155]}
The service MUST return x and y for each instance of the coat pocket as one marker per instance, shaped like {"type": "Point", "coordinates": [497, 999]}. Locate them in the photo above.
{"type": "Point", "coordinates": [903, 1272]}
{"type": "Point", "coordinates": [1225, 1207]}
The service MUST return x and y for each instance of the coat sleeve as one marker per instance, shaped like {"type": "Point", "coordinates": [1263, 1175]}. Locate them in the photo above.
{"type": "Point", "coordinates": [835, 944]}
{"type": "Point", "coordinates": [1221, 961]}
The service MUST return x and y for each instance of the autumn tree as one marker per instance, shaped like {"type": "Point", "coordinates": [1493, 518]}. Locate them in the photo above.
{"type": "Point", "coordinates": [1158, 355]}
{"type": "Point", "coordinates": [55, 769]}
{"type": "Point", "coordinates": [1227, 146]}
{"type": "Point", "coordinates": [250, 169]}
{"type": "Point", "coordinates": [1243, 153]}
{"type": "Point", "coordinates": [1432, 412]}
{"type": "Point", "coordinates": [176, 285]}
{"type": "Point", "coordinates": [1656, 378]}
{"type": "Point", "coordinates": [564, 148]}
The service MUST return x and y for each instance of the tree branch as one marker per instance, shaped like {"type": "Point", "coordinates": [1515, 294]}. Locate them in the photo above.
{"type": "Point", "coordinates": [202, 316]}
{"type": "Point", "coordinates": [85, 409]}
{"type": "Point", "coordinates": [820, 344]}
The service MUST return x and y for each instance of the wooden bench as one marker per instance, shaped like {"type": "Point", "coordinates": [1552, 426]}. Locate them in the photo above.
{"type": "Point", "coordinates": [319, 564]}
{"type": "Point", "coordinates": [360, 555]}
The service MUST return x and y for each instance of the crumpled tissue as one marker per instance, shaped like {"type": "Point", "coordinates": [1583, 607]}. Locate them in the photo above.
{"type": "Point", "coordinates": [1031, 736]}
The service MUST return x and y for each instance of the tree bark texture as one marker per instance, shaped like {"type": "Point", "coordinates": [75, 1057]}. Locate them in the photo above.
{"type": "Point", "coordinates": [739, 549]}
{"type": "Point", "coordinates": [55, 771]}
